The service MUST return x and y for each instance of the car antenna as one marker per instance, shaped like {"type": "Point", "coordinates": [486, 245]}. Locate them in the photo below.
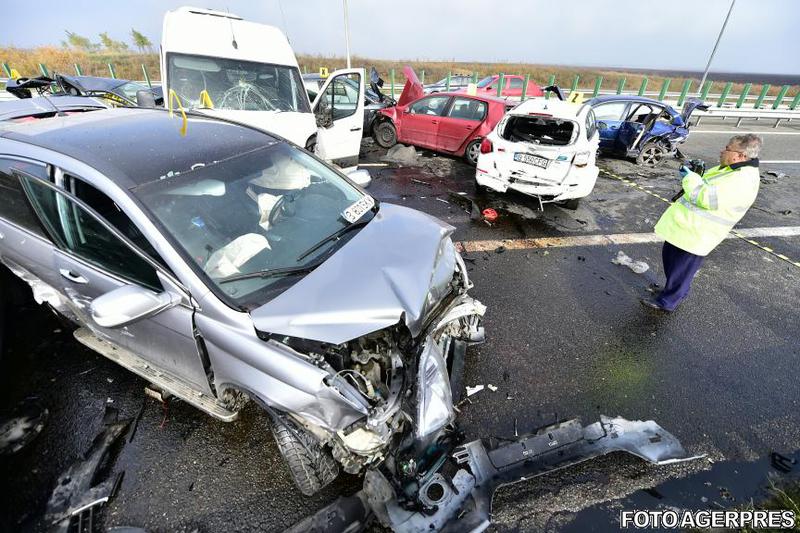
{"type": "Point", "coordinates": [233, 35]}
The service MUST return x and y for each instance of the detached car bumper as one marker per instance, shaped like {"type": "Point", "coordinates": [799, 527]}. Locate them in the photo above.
{"type": "Point", "coordinates": [578, 183]}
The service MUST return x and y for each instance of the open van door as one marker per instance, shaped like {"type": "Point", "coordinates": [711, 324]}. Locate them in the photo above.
{"type": "Point", "coordinates": [339, 110]}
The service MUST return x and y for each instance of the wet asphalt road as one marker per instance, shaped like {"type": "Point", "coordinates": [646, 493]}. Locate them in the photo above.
{"type": "Point", "coordinates": [566, 338]}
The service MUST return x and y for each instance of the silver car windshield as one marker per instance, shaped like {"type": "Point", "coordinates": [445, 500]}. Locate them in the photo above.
{"type": "Point", "coordinates": [255, 222]}
{"type": "Point", "coordinates": [232, 84]}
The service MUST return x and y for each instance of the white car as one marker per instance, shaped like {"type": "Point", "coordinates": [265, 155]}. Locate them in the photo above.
{"type": "Point", "coordinates": [545, 148]}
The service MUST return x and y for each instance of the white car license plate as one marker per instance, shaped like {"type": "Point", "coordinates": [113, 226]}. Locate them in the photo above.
{"type": "Point", "coordinates": [357, 210]}
{"type": "Point", "coordinates": [531, 160]}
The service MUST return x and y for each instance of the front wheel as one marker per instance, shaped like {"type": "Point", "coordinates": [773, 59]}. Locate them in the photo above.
{"type": "Point", "coordinates": [472, 151]}
{"type": "Point", "coordinates": [651, 155]}
{"type": "Point", "coordinates": [385, 134]}
{"type": "Point", "coordinates": [311, 464]}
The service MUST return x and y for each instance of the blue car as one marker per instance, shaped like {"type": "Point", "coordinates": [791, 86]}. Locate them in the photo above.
{"type": "Point", "coordinates": [642, 128]}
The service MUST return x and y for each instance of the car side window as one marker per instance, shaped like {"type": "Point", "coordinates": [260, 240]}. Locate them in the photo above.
{"type": "Point", "coordinates": [432, 105]}
{"type": "Point", "coordinates": [77, 230]}
{"type": "Point", "coordinates": [14, 206]}
{"type": "Point", "coordinates": [610, 111]}
{"type": "Point", "coordinates": [111, 213]}
{"type": "Point", "coordinates": [515, 83]}
{"type": "Point", "coordinates": [641, 113]}
{"type": "Point", "coordinates": [467, 109]}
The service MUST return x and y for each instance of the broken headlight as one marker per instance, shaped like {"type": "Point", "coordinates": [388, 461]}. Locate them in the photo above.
{"type": "Point", "coordinates": [435, 406]}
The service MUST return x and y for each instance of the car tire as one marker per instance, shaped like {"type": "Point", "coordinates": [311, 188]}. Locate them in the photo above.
{"type": "Point", "coordinates": [385, 134]}
{"type": "Point", "coordinates": [571, 204]}
{"type": "Point", "coordinates": [652, 155]}
{"type": "Point", "coordinates": [472, 151]}
{"type": "Point", "coordinates": [311, 464]}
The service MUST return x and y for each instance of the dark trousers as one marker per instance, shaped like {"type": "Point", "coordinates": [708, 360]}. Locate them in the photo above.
{"type": "Point", "coordinates": [680, 267]}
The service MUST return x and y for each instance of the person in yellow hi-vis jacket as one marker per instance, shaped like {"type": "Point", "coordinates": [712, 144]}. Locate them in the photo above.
{"type": "Point", "coordinates": [701, 218]}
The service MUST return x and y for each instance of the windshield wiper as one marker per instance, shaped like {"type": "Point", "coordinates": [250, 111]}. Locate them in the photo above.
{"type": "Point", "coordinates": [333, 237]}
{"type": "Point", "coordinates": [270, 273]}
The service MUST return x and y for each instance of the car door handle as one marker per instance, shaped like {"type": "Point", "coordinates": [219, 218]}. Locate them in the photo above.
{"type": "Point", "coordinates": [355, 129]}
{"type": "Point", "coordinates": [434, 121]}
{"type": "Point", "coordinates": [72, 276]}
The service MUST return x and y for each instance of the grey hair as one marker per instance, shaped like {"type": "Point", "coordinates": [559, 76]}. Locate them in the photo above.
{"type": "Point", "coordinates": [750, 144]}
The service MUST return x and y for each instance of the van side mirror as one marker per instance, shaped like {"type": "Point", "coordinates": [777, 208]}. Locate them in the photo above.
{"type": "Point", "coordinates": [145, 98]}
{"type": "Point", "coordinates": [129, 303]}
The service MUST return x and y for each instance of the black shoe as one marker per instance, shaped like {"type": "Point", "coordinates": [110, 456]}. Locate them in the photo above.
{"type": "Point", "coordinates": [653, 304]}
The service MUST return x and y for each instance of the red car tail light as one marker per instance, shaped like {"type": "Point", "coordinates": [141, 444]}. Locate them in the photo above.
{"type": "Point", "coordinates": [486, 146]}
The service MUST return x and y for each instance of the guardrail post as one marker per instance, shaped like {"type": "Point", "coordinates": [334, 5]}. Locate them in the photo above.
{"type": "Point", "coordinates": [704, 90]}
{"type": "Point", "coordinates": [744, 94]}
{"type": "Point", "coordinates": [550, 81]}
{"type": "Point", "coordinates": [6, 69]}
{"type": "Point", "coordinates": [621, 85]}
{"type": "Point", "coordinates": [574, 86]}
{"type": "Point", "coordinates": [112, 71]}
{"type": "Point", "coordinates": [779, 98]}
{"type": "Point", "coordinates": [684, 91]}
{"type": "Point", "coordinates": [501, 82]}
{"type": "Point", "coordinates": [795, 102]}
{"type": "Point", "coordinates": [475, 77]}
{"type": "Point", "coordinates": [724, 94]}
{"type": "Point", "coordinates": [146, 76]}
{"type": "Point", "coordinates": [78, 70]}
{"type": "Point", "coordinates": [525, 87]}
{"type": "Point", "coordinates": [447, 82]}
{"type": "Point", "coordinates": [597, 83]}
{"type": "Point", "coordinates": [422, 77]}
{"type": "Point", "coordinates": [391, 81]}
{"type": "Point", "coordinates": [664, 89]}
{"type": "Point", "coordinates": [643, 86]}
{"type": "Point", "coordinates": [761, 95]}
{"type": "Point", "coordinates": [43, 70]}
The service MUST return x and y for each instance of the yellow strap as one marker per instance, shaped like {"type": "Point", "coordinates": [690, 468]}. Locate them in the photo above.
{"type": "Point", "coordinates": [174, 95]}
{"type": "Point", "coordinates": [205, 100]}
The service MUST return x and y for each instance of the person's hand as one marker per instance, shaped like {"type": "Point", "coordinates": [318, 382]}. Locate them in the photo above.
{"type": "Point", "coordinates": [684, 170]}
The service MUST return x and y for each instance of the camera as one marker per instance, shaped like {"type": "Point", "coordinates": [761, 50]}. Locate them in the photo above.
{"type": "Point", "coordinates": [698, 166]}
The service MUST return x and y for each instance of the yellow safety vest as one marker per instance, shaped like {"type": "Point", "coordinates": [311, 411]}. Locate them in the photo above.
{"type": "Point", "coordinates": [710, 206]}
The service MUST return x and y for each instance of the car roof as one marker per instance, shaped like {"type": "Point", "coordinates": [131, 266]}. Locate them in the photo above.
{"type": "Point", "coordinates": [624, 98]}
{"type": "Point", "coordinates": [38, 105]}
{"type": "Point", "coordinates": [133, 146]}
{"type": "Point", "coordinates": [551, 106]}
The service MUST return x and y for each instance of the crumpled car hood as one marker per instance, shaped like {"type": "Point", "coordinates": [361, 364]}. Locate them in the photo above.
{"type": "Point", "coordinates": [398, 266]}
{"type": "Point", "coordinates": [413, 89]}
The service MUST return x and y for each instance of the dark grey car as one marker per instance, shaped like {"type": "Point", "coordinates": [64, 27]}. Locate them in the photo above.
{"type": "Point", "coordinates": [228, 264]}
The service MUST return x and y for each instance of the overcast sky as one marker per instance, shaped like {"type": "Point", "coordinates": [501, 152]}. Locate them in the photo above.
{"type": "Point", "coordinates": [762, 35]}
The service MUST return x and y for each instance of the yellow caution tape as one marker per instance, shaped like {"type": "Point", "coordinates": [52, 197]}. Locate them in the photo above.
{"type": "Point", "coordinates": [205, 100]}
{"type": "Point", "coordinates": [767, 249]}
{"type": "Point", "coordinates": [174, 96]}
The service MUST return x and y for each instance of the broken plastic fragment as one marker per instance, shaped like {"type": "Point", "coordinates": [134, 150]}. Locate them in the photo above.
{"type": "Point", "coordinates": [491, 387]}
{"type": "Point", "coordinates": [474, 390]}
{"type": "Point", "coordinates": [490, 214]}
{"type": "Point", "coordinates": [640, 267]}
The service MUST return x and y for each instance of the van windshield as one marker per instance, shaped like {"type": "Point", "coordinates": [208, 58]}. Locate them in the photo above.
{"type": "Point", "coordinates": [540, 130]}
{"type": "Point", "coordinates": [233, 84]}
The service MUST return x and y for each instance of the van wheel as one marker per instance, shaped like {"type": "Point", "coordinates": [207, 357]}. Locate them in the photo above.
{"type": "Point", "coordinates": [311, 465]}
{"type": "Point", "coordinates": [571, 204]}
{"type": "Point", "coordinates": [472, 151]}
{"type": "Point", "coordinates": [385, 134]}
{"type": "Point", "coordinates": [651, 155]}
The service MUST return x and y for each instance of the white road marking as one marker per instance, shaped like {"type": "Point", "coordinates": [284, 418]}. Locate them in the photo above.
{"type": "Point", "coordinates": [373, 164]}
{"type": "Point", "coordinates": [784, 162]}
{"type": "Point", "coordinates": [604, 240]}
{"type": "Point", "coordinates": [740, 131]}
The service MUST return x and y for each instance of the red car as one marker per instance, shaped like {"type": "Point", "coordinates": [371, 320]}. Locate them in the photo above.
{"type": "Point", "coordinates": [453, 123]}
{"type": "Point", "coordinates": [512, 87]}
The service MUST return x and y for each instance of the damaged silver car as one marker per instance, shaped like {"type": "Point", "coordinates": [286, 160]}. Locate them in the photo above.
{"type": "Point", "coordinates": [228, 264]}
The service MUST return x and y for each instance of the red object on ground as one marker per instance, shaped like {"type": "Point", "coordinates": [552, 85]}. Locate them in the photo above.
{"type": "Point", "coordinates": [490, 214]}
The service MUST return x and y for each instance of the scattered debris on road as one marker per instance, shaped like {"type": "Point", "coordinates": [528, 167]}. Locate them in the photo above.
{"type": "Point", "coordinates": [474, 390]}
{"type": "Point", "coordinates": [25, 424]}
{"type": "Point", "coordinates": [639, 267]}
{"type": "Point", "coordinates": [402, 154]}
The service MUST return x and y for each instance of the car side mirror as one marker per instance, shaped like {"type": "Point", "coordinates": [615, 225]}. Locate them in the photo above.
{"type": "Point", "coordinates": [129, 303]}
{"type": "Point", "coordinates": [602, 125]}
{"type": "Point", "coordinates": [677, 121]}
{"type": "Point", "coordinates": [360, 177]}
{"type": "Point", "coordinates": [145, 98]}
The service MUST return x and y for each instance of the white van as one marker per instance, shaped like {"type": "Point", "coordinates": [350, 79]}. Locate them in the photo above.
{"type": "Point", "coordinates": [224, 66]}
